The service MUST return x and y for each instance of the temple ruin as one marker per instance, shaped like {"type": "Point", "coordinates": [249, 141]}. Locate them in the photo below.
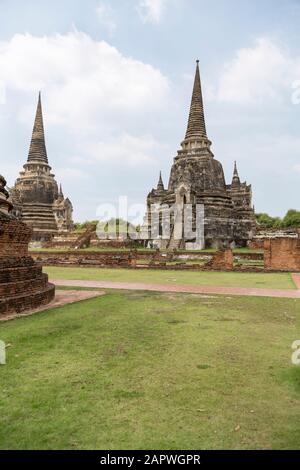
{"type": "Point", "coordinates": [197, 178]}
{"type": "Point", "coordinates": [36, 196]}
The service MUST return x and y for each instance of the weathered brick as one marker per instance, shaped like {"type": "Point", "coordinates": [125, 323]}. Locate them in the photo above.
{"type": "Point", "coordinates": [23, 286]}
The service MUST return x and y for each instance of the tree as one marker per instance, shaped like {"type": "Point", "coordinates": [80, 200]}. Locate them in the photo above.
{"type": "Point", "coordinates": [265, 220]}
{"type": "Point", "coordinates": [291, 219]}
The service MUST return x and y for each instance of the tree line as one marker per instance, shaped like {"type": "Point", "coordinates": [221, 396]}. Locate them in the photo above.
{"type": "Point", "coordinates": [290, 220]}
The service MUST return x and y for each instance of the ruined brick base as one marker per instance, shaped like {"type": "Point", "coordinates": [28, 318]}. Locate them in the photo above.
{"type": "Point", "coordinates": [222, 260]}
{"type": "Point", "coordinates": [23, 286]}
{"type": "Point", "coordinates": [282, 254]}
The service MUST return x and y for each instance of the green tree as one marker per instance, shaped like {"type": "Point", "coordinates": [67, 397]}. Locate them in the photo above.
{"type": "Point", "coordinates": [265, 220]}
{"type": "Point", "coordinates": [291, 219]}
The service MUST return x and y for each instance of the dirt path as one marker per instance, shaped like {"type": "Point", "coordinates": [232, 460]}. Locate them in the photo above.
{"type": "Point", "coordinates": [193, 289]}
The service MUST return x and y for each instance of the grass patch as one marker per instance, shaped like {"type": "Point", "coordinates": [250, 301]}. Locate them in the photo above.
{"type": "Point", "coordinates": [156, 276]}
{"type": "Point", "coordinates": [146, 370]}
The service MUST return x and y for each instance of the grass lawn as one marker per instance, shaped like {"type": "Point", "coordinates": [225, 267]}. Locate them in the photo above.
{"type": "Point", "coordinates": [155, 276]}
{"type": "Point", "coordinates": [148, 370]}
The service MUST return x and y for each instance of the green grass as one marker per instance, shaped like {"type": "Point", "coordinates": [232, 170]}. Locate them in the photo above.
{"type": "Point", "coordinates": [227, 279]}
{"type": "Point", "coordinates": [147, 370]}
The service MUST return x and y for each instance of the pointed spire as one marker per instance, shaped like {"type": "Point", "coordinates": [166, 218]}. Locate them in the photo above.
{"type": "Point", "coordinates": [160, 184]}
{"type": "Point", "coordinates": [61, 194]}
{"type": "Point", "coordinates": [196, 123]}
{"type": "Point", "coordinates": [37, 150]}
{"type": "Point", "coordinates": [236, 178]}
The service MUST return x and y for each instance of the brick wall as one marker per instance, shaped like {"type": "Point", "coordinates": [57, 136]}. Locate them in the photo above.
{"type": "Point", "coordinates": [222, 260]}
{"type": "Point", "coordinates": [133, 258]}
{"type": "Point", "coordinates": [282, 254]}
{"type": "Point", "coordinates": [14, 238]}
{"type": "Point", "coordinates": [88, 258]}
{"type": "Point", "coordinates": [23, 286]}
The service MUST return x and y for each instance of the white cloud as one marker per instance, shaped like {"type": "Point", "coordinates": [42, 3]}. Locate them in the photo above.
{"type": "Point", "coordinates": [70, 175]}
{"type": "Point", "coordinates": [127, 150]}
{"type": "Point", "coordinates": [106, 17]}
{"type": "Point", "coordinates": [101, 109]}
{"type": "Point", "coordinates": [85, 82]}
{"type": "Point", "coordinates": [89, 89]}
{"type": "Point", "coordinates": [258, 74]}
{"type": "Point", "coordinates": [297, 168]}
{"type": "Point", "coordinates": [151, 11]}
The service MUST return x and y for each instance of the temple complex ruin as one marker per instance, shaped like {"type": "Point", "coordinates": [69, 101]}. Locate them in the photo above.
{"type": "Point", "coordinates": [23, 286]}
{"type": "Point", "coordinates": [197, 179]}
{"type": "Point", "coordinates": [36, 196]}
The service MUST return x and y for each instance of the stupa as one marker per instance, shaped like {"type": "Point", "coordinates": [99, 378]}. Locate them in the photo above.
{"type": "Point", "coordinates": [36, 196]}
{"type": "Point", "coordinates": [197, 179]}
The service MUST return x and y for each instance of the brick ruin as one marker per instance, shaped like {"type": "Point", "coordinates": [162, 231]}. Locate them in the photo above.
{"type": "Point", "coordinates": [23, 286]}
{"type": "Point", "coordinates": [198, 178]}
{"type": "Point", "coordinates": [282, 254]}
{"type": "Point", "coordinates": [146, 259]}
{"type": "Point", "coordinates": [36, 196]}
{"type": "Point", "coordinates": [263, 234]}
{"type": "Point", "coordinates": [222, 260]}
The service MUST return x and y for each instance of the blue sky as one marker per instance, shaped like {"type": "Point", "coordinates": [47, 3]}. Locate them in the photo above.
{"type": "Point", "coordinates": [116, 80]}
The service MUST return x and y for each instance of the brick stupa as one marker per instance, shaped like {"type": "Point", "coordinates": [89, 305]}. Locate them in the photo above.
{"type": "Point", "coordinates": [197, 178]}
{"type": "Point", "coordinates": [36, 195]}
{"type": "Point", "coordinates": [23, 286]}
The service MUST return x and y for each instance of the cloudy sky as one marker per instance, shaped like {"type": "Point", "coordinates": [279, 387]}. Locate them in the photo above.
{"type": "Point", "coordinates": [116, 79]}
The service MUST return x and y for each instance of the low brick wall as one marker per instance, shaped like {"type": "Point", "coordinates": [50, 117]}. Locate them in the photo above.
{"type": "Point", "coordinates": [282, 254]}
{"type": "Point", "coordinates": [87, 259]}
{"type": "Point", "coordinates": [222, 260]}
{"type": "Point", "coordinates": [258, 240]}
{"type": "Point", "coordinates": [133, 259]}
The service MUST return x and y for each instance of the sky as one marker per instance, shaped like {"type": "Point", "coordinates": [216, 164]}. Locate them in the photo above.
{"type": "Point", "coordinates": [116, 79]}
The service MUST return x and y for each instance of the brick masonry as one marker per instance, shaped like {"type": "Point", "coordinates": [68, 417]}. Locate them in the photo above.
{"type": "Point", "coordinates": [222, 260]}
{"type": "Point", "coordinates": [23, 286]}
{"type": "Point", "coordinates": [282, 254]}
{"type": "Point", "coordinates": [155, 260]}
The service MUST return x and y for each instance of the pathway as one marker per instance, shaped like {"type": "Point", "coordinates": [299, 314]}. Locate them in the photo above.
{"type": "Point", "coordinates": [192, 289]}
